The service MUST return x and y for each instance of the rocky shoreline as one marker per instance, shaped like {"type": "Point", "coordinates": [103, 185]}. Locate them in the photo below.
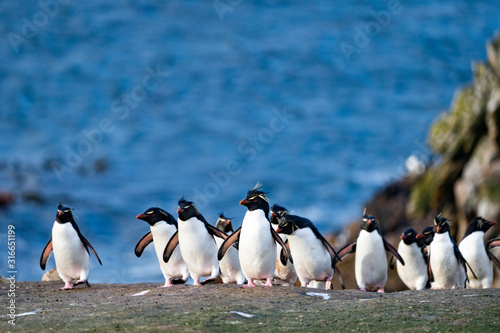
{"type": "Point", "coordinates": [42, 307]}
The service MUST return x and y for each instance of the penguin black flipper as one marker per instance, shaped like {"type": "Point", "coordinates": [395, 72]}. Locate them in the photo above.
{"type": "Point", "coordinates": [230, 240]}
{"type": "Point", "coordinates": [493, 259]}
{"type": "Point", "coordinates": [339, 276]}
{"type": "Point", "coordinates": [87, 246]}
{"type": "Point", "coordinates": [211, 229]}
{"type": "Point", "coordinates": [46, 254]}
{"type": "Point", "coordinates": [493, 243]}
{"type": "Point", "coordinates": [389, 248]}
{"type": "Point", "coordinates": [462, 261]}
{"type": "Point", "coordinates": [347, 249]}
{"type": "Point", "coordinates": [171, 245]}
{"type": "Point", "coordinates": [141, 245]}
{"type": "Point", "coordinates": [286, 255]}
{"type": "Point", "coordinates": [215, 232]}
{"type": "Point", "coordinates": [283, 254]}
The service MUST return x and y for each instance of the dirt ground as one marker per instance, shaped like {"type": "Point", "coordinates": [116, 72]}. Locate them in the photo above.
{"type": "Point", "coordinates": [41, 306]}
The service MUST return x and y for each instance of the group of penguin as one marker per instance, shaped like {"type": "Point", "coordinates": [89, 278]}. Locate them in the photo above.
{"type": "Point", "coordinates": [272, 245]}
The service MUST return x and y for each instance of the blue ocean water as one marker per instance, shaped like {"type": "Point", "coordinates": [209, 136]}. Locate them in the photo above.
{"type": "Point", "coordinates": [114, 107]}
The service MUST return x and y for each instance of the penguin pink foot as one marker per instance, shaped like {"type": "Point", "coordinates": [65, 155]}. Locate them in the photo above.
{"type": "Point", "coordinates": [380, 290]}
{"type": "Point", "coordinates": [269, 283]}
{"type": "Point", "coordinates": [362, 289]}
{"type": "Point", "coordinates": [250, 284]}
{"type": "Point", "coordinates": [168, 284]}
{"type": "Point", "coordinates": [67, 286]}
{"type": "Point", "coordinates": [328, 284]}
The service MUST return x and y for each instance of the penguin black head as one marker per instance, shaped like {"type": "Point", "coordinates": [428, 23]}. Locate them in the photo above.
{"type": "Point", "coordinates": [186, 209]}
{"type": "Point", "coordinates": [427, 235]}
{"type": "Point", "coordinates": [224, 224]}
{"type": "Point", "coordinates": [369, 223]}
{"type": "Point", "coordinates": [409, 236]}
{"type": "Point", "coordinates": [286, 225]}
{"type": "Point", "coordinates": [276, 212]}
{"type": "Point", "coordinates": [155, 214]}
{"type": "Point", "coordinates": [64, 214]}
{"type": "Point", "coordinates": [256, 199]}
{"type": "Point", "coordinates": [442, 224]}
{"type": "Point", "coordinates": [479, 224]}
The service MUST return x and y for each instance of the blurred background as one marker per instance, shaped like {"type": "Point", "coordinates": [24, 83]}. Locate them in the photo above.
{"type": "Point", "coordinates": [112, 107]}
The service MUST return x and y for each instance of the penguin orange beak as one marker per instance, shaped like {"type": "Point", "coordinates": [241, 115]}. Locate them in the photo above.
{"type": "Point", "coordinates": [59, 212]}
{"type": "Point", "coordinates": [420, 236]}
{"type": "Point", "coordinates": [140, 216]}
{"type": "Point", "coordinates": [403, 237]}
{"type": "Point", "coordinates": [438, 229]}
{"type": "Point", "coordinates": [243, 202]}
{"type": "Point", "coordinates": [279, 230]}
{"type": "Point", "coordinates": [179, 210]}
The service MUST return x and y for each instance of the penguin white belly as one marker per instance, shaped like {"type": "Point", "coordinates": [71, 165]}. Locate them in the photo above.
{"type": "Point", "coordinates": [414, 273]}
{"type": "Point", "coordinates": [257, 248]}
{"type": "Point", "coordinates": [176, 268]}
{"type": "Point", "coordinates": [198, 248]}
{"type": "Point", "coordinates": [284, 275]}
{"type": "Point", "coordinates": [474, 252]}
{"type": "Point", "coordinates": [230, 269]}
{"type": "Point", "coordinates": [312, 260]}
{"type": "Point", "coordinates": [444, 264]}
{"type": "Point", "coordinates": [370, 265]}
{"type": "Point", "coordinates": [72, 259]}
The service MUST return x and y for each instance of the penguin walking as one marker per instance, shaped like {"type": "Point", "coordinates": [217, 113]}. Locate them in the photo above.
{"type": "Point", "coordinates": [370, 266]}
{"type": "Point", "coordinates": [230, 269]}
{"type": "Point", "coordinates": [284, 275]}
{"type": "Point", "coordinates": [195, 237]}
{"type": "Point", "coordinates": [414, 273]}
{"type": "Point", "coordinates": [477, 255]}
{"type": "Point", "coordinates": [256, 240]}
{"type": "Point", "coordinates": [315, 258]}
{"type": "Point", "coordinates": [163, 226]}
{"type": "Point", "coordinates": [448, 266]}
{"type": "Point", "coordinates": [71, 250]}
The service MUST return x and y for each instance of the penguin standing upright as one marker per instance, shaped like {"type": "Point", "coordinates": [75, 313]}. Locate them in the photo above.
{"type": "Point", "coordinates": [163, 226]}
{"type": "Point", "coordinates": [447, 264]}
{"type": "Point", "coordinates": [414, 273]}
{"type": "Point", "coordinates": [230, 269]}
{"type": "Point", "coordinates": [315, 258]}
{"type": "Point", "coordinates": [71, 250]}
{"type": "Point", "coordinates": [283, 274]}
{"type": "Point", "coordinates": [370, 266]}
{"type": "Point", "coordinates": [257, 240]}
{"type": "Point", "coordinates": [196, 241]}
{"type": "Point", "coordinates": [477, 255]}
